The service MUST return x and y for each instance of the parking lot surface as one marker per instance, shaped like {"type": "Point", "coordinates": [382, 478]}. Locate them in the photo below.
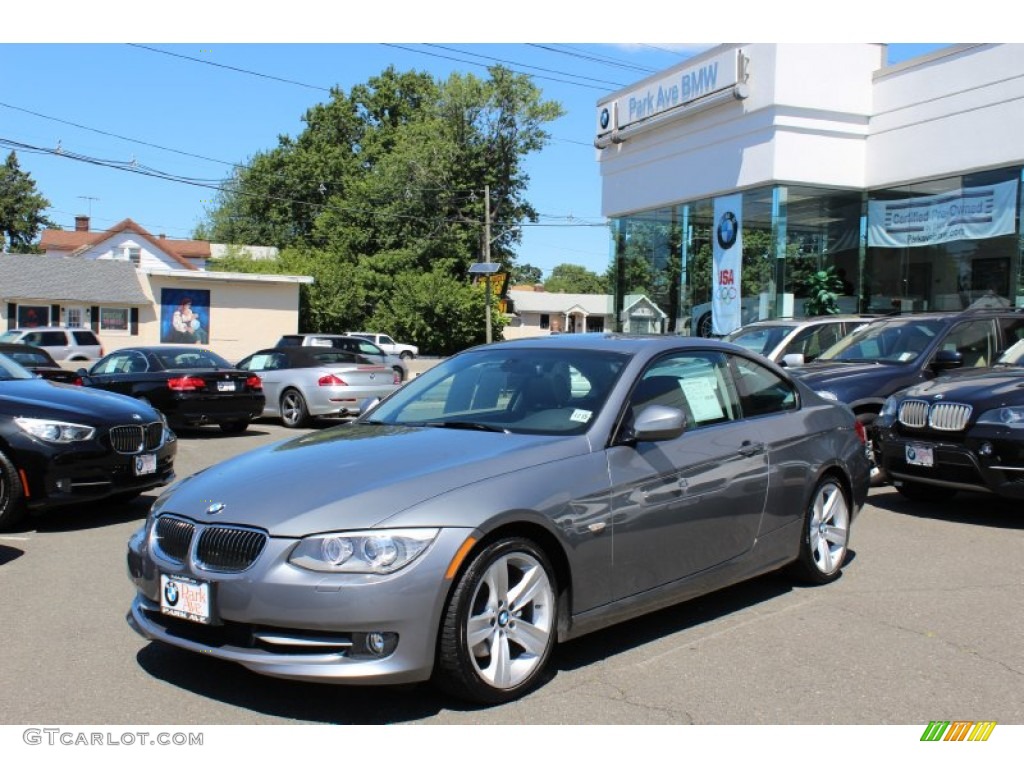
{"type": "Point", "coordinates": [925, 624]}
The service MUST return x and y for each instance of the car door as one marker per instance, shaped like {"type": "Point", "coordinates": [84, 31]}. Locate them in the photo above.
{"type": "Point", "coordinates": [271, 365]}
{"type": "Point", "coordinates": [682, 506]}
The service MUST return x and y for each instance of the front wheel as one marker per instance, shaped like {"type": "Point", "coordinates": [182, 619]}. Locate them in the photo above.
{"type": "Point", "coordinates": [705, 326]}
{"type": "Point", "coordinates": [499, 627]}
{"type": "Point", "coordinates": [12, 495]}
{"type": "Point", "coordinates": [826, 534]}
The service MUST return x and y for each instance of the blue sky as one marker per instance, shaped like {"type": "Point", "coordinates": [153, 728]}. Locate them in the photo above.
{"type": "Point", "coordinates": [193, 108]}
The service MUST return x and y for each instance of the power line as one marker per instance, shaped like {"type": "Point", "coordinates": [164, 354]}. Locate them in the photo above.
{"type": "Point", "coordinates": [520, 64]}
{"type": "Point", "coordinates": [568, 50]}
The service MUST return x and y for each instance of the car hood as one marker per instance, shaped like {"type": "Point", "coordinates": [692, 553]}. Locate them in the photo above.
{"type": "Point", "coordinates": [822, 375]}
{"type": "Point", "coordinates": [354, 476]}
{"type": "Point", "coordinates": [40, 398]}
{"type": "Point", "coordinates": [986, 386]}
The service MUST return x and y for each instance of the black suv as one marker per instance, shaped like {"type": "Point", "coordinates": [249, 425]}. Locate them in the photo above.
{"type": "Point", "coordinates": [892, 353]}
{"type": "Point", "coordinates": [961, 431]}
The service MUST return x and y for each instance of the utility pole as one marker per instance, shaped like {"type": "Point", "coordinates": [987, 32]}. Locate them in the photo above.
{"type": "Point", "coordinates": [487, 256]}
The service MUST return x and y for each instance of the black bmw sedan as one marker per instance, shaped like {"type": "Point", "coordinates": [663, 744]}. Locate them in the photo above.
{"type": "Point", "coordinates": [961, 431]}
{"type": "Point", "coordinates": [62, 444]}
{"type": "Point", "coordinates": [190, 385]}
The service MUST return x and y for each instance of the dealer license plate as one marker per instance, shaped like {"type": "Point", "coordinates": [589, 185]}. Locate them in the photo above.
{"type": "Point", "coordinates": [145, 464]}
{"type": "Point", "coordinates": [185, 598]}
{"type": "Point", "coordinates": [920, 455]}
{"type": "Point", "coordinates": [225, 386]}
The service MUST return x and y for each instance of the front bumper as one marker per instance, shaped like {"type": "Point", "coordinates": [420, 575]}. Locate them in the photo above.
{"type": "Point", "coordinates": [284, 621]}
{"type": "Point", "coordinates": [989, 459]}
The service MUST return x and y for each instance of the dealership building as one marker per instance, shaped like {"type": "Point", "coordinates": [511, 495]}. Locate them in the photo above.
{"type": "Point", "coordinates": [735, 178]}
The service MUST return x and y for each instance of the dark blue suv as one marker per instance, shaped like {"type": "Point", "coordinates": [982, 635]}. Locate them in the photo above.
{"type": "Point", "coordinates": [892, 353]}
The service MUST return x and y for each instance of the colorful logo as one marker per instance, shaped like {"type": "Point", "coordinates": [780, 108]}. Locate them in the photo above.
{"type": "Point", "coordinates": [958, 730]}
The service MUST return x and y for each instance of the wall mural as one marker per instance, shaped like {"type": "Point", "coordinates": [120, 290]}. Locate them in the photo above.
{"type": "Point", "coordinates": [184, 316]}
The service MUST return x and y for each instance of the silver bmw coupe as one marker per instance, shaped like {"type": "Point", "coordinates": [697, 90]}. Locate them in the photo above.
{"type": "Point", "coordinates": [516, 495]}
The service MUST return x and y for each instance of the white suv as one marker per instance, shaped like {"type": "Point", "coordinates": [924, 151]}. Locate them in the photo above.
{"type": "Point", "coordinates": [61, 343]}
{"type": "Point", "coordinates": [389, 345]}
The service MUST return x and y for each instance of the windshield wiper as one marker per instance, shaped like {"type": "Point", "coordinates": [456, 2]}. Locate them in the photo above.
{"type": "Point", "coordinates": [466, 425]}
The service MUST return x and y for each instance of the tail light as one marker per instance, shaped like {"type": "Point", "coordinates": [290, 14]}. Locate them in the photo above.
{"type": "Point", "coordinates": [77, 381]}
{"type": "Point", "coordinates": [254, 382]}
{"type": "Point", "coordinates": [330, 380]}
{"type": "Point", "coordinates": [186, 383]}
{"type": "Point", "coordinates": [862, 433]}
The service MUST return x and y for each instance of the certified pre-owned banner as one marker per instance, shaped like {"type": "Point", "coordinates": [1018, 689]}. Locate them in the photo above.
{"type": "Point", "coordinates": [727, 262]}
{"type": "Point", "coordinates": [973, 213]}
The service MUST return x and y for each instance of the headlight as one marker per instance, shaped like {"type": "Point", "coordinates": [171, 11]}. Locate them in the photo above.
{"type": "Point", "coordinates": [889, 408]}
{"type": "Point", "coordinates": [827, 395]}
{"type": "Point", "coordinates": [1011, 416]}
{"type": "Point", "coordinates": [362, 551]}
{"type": "Point", "coordinates": [56, 431]}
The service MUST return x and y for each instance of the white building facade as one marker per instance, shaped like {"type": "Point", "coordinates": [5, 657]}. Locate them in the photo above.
{"type": "Point", "coordinates": [736, 177]}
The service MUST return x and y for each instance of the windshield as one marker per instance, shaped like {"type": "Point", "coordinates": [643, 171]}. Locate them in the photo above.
{"type": "Point", "coordinates": [532, 391]}
{"type": "Point", "coordinates": [886, 341]}
{"type": "Point", "coordinates": [761, 339]}
{"type": "Point", "coordinates": [10, 370]}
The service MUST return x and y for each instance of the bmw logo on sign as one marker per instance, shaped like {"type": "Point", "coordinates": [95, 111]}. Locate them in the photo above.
{"type": "Point", "coordinates": [728, 229]}
{"type": "Point", "coordinates": [606, 118]}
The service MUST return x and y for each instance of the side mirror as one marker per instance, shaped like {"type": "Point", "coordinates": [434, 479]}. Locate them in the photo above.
{"type": "Point", "coordinates": [792, 360]}
{"type": "Point", "coordinates": [82, 372]}
{"type": "Point", "coordinates": [946, 360]}
{"type": "Point", "coordinates": [658, 422]}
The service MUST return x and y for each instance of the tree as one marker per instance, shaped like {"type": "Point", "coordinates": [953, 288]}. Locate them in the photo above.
{"type": "Point", "coordinates": [525, 274]}
{"type": "Point", "coordinates": [572, 278]}
{"type": "Point", "coordinates": [382, 195]}
{"type": "Point", "coordinates": [21, 207]}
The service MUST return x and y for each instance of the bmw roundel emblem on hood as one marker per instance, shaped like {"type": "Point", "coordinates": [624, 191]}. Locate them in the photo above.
{"type": "Point", "coordinates": [137, 417]}
{"type": "Point", "coordinates": [216, 508]}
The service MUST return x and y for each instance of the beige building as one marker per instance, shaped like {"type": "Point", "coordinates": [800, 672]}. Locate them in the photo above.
{"type": "Point", "coordinates": [128, 286]}
{"type": "Point", "coordinates": [534, 312]}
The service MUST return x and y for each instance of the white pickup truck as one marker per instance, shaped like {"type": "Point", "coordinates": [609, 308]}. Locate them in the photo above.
{"type": "Point", "coordinates": [389, 345]}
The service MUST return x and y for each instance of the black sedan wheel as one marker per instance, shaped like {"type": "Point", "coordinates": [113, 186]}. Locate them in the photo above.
{"type": "Point", "coordinates": [294, 413]}
{"type": "Point", "coordinates": [826, 534]}
{"type": "Point", "coordinates": [499, 627]}
{"type": "Point", "coordinates": [12, 506]}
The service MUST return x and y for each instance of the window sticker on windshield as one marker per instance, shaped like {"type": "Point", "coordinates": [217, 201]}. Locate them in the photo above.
{"type": "Point", "coordinates": [581, 415]}
{"type": "Point", "coordinates": [905, 356]}
{"type": "Point", "coordinates": [700, 394]}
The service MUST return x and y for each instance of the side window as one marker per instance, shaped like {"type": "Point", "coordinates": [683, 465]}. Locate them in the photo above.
{"type": "Point", "coordinates": [975, 341]}
{"type": "Point", "coordinates": [694, 382]}
{"type": "Point", "coordinates": [112, 364]}
{"type": "Point", "coordinates": [1012, 329]}
{"type": "Point", "coordinates": [761, 391]}
{"type": "Point", "coordinates": [86, 338]}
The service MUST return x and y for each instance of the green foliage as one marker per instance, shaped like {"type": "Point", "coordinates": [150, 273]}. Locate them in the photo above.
{"type": "Point", "coordinates": [384, 190]}
{"type": "Point", "coordinates": [525, 274]}
{"type": "Point", "coordinates": [572, 278]}
{"type": "Point", "coordinates": [21, 208]}
{"type": "Point", "coordinates": [823, 290]}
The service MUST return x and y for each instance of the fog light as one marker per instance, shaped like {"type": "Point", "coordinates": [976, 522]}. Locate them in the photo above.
{"type": "Point", "coordinates": [375, 643]}
{"type": "Point", "coordinates": [985, 449]}
{"type": "Point", "coordinates": [64, 485]}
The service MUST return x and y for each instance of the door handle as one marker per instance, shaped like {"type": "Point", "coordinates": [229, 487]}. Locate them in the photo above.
{"type": "Point", "coordinates": [750, 448]}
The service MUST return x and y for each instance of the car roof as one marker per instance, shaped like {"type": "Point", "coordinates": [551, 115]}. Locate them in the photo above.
{"type": "Point", "coordinates": [610, 342]}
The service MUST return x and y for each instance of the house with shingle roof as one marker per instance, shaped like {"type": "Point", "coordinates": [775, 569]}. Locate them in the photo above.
{"type": "Point", "coordinates": [535, 312]}
{"type": "Point", "coordinates": [125, 284]}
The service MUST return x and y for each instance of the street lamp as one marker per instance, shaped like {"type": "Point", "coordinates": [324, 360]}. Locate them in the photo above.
{"type": "Point", "coordinates": [487, 269]}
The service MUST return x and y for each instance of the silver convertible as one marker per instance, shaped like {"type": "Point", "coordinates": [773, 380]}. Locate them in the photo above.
{"type": "Point", "coordinates": [516, 495]}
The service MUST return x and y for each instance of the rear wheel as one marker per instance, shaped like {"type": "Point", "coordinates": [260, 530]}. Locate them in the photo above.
{"type": "Point", "coordinates": [826, 534]}
{"type": "Point", "coordinates": [499, 627]}
{"type": "Point", "coordinates": [923, 492]}
{"type": "Point", "coordinates": [294, 413]}
{"type": "Point", "coordinates": [12, 495]}
{"type": "Point", "coordinates": [234, 427]}
{"type": "Point", "coordinates": [704, 326]}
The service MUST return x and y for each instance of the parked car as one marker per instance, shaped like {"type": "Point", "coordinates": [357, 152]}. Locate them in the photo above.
{"type": "Point", "coordinates": [61, 343]}
{"type": "Point", "coordinates": [62, 445]}
{"type": "Point", "coordinates": [39, 362]}
{"type": "Point", "coordinates": [892, 353]}
{"type": "Point", "coordinates": [359, 346]}
{"type": "Point", "coordinates": [961, 431]}
{"type": "Point", "coordinates": [300, 383]}
{"type": "Point", "coordinates": [190, 385]}
{"type": "Point", "coordinates": [483, 512]}
{"type": "Point", "coordinates": [795, 341]}
{"type": "Point", "coordinates": [389, 345]}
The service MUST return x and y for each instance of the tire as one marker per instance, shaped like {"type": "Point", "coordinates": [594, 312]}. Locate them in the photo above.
{"type": "Point", "coordinates": [294, 413]}
{"type": "Point", "coordinates": [234, 427]}
{"type": "Point", "coordinates": [489, 651]}
{"type": "Point", "coordinates": [924, 492]}
{"type": "Point", "coordinates": [824, 540]}
{"type": "Point", "coordinates": [406, 355]}
{"type": "Point", "coordinates": [400, 371]}
{"type": "Point", "coordinates": [704, 326]}
{"type": "Point", "coordinates": [12, 495]}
